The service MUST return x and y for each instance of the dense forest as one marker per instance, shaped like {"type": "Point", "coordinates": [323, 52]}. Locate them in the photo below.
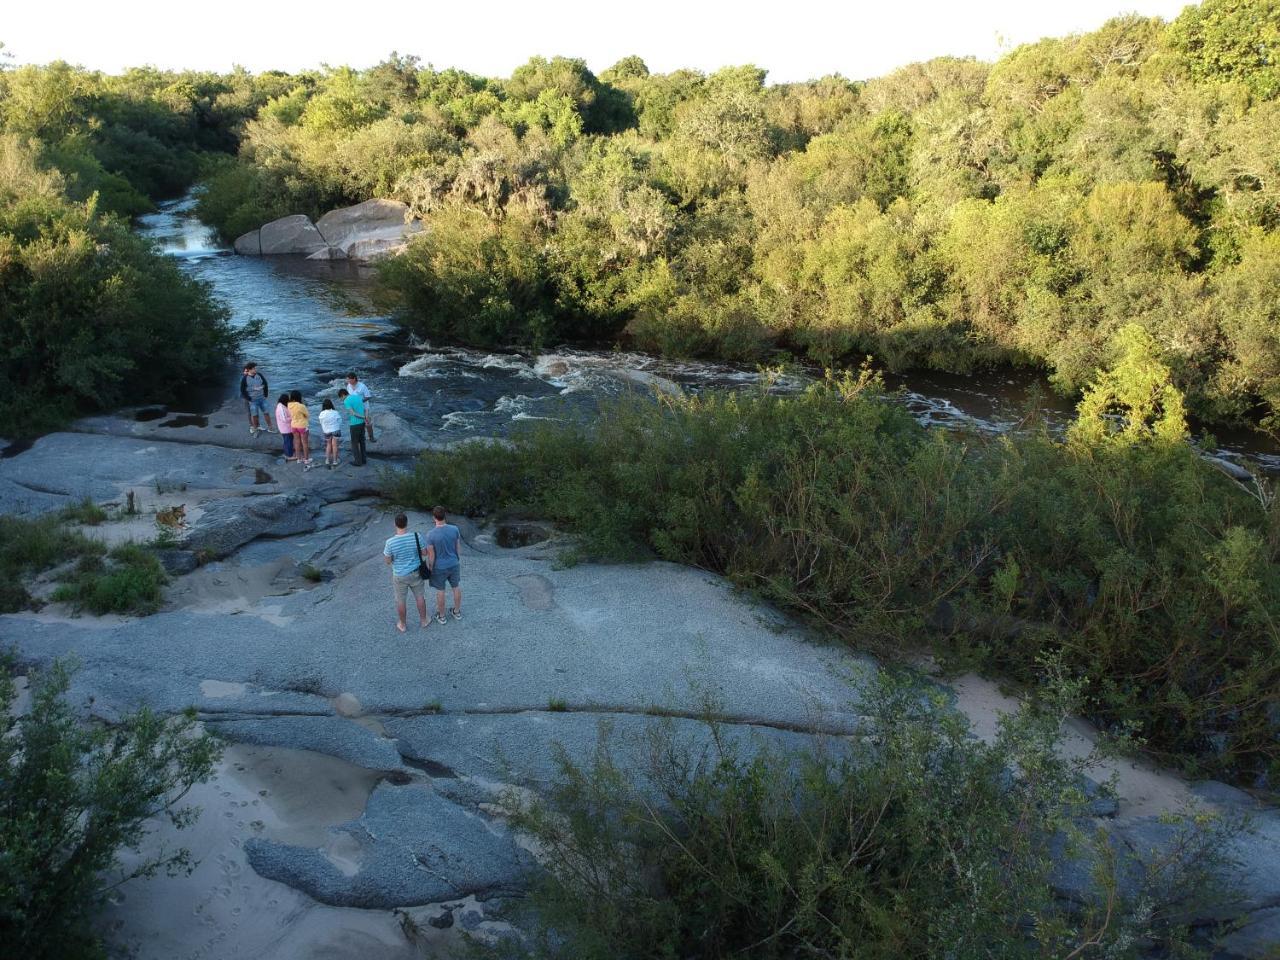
{"type": "Point", "coordinates": [91, 315]}
{"type": "Point", "coordinates": [951, 215]}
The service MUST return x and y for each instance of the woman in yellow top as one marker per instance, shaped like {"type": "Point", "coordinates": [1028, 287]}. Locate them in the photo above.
{"type": "Point", "coordinates": [300, 421]}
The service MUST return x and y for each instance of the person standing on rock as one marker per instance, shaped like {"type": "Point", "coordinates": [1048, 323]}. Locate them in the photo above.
{"type": "Point", "coordinates": [357, 386]}
{"type": "Point", "coordinates": [403, 553]}
{"type": "Point", "coordinates": [284, 423]}
{"type": "Point", "coordinates": [443, 544]}
{"type": "Point", "coordinates": [353, 403]}
{"type": "Point", "coordinates": [300, 423]}
{"type": "Point", "coordinates": [331, 427]}
{"type": "Point", "coordinates": [253, 387]}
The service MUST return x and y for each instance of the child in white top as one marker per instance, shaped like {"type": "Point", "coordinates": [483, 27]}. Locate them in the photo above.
{"type": "Point", "coordinates": [331, 424]}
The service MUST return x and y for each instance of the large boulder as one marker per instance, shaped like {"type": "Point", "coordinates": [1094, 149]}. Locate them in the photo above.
{"type": "Point", "coordinates": [369, 230]}
{"type": "Point", "coordinates": [295, 234]}
{"type": "Point", "coordinates": [249, 244]}
{"type": "Point", "coordinates": [341, 226]}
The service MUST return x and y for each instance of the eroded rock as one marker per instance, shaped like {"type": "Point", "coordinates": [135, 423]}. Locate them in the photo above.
{"type": "Point", "coordinates": [295, 234]}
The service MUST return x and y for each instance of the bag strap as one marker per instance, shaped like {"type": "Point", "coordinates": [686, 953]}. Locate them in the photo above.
{"type": "Point", "coordinates": [418, 544]}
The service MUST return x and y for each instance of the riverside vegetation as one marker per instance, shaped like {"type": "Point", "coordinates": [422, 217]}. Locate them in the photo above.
{"type": "Point", "coordinates": [72, 796]}
{"type": "Point", "coordinates": [91, 315]}
{"type": "Point", "coordinates": [1119, 553]}
{"type": "Point", "coordinates": [952, 215]}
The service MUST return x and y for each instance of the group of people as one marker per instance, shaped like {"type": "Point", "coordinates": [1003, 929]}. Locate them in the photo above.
{"type": "Point", "coordinates": [414, 560]}
{"type": "Point", "coordinates": [433, 559]}
{"type": "Point", "coordinates": [293, 418]}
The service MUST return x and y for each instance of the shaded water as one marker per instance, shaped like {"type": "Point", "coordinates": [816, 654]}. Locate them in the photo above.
{"type": "Point", "coordinates": [319, 323]}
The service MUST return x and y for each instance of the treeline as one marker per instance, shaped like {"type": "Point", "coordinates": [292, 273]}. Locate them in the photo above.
{"type": "Point", "coordinates": [91, 315]}
{"type": "Point", "coordinates": [951, 215]}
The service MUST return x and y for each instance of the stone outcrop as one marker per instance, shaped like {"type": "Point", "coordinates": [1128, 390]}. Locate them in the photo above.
{"type": "Point", "coordinates": [363, 232]}
{"type": "Point", "coordinates": [295, 234]}
{"type": "Point", "coordinates": [249, 244]}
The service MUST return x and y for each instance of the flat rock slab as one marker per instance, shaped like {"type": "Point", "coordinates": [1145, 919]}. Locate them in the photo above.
{"type": "Point", "coordinates": [228, 524]}
{"type": "Point", "coordinates": [526, 748]}
{"type": "Point", "coordinates": [333, 736]}
{"type": "Point", "coordinates": [411, 846]}
{"type": "Point", "coordinates": [226, 427]}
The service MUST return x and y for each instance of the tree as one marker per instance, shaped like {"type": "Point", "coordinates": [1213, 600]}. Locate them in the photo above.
{"type": "Point", "coordinates": [72, 796]}
{"type": "Point", "coordinates": [1230, 40]}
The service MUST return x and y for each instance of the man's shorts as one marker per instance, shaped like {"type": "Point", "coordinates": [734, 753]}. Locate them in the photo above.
{"type": "Point", "coordinates": [450, 575]}
{"type": "Point", "coordinates": [410, 583]}
{"type": "Point", "coordinates": [257, 406]}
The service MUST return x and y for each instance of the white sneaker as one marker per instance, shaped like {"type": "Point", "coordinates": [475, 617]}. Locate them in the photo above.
{"type": "Point", "coordinates": [253, 431]}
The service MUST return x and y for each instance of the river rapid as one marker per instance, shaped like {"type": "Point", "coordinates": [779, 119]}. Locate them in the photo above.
{"type": "Point", "coordinates": [319, 322]}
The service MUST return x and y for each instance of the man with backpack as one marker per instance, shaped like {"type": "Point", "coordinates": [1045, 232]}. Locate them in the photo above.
{"type": "Point", "coordinates": [404, 553]}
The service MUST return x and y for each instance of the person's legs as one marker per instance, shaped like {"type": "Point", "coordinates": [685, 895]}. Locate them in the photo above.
{"type": "Point", "coordinates": [260, 410]}
{"type": "Point", "coordinates": [420, 595]}
{"type": "Point", "coordinates": [357, 445]}
{"type": "Point", "coordinates": [455, 581]}
{"type": "Point", "coordinates": [399, 585]}
{"type": "Point", "coordinates": [440, 605]}
{"type": "Point", "coordinates": [368, 422]}
{"type": "Point", "coordinates": [305, 439]}
{"type": "Point", "coordinates": [287, 440]}
{"type": "Point", "coordinates": [248, 412]}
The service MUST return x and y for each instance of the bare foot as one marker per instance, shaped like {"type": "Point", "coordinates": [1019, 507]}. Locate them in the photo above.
{"type": "Point", "coordinates": [400, 626]}
{"type": "Point", "coordinates": [424, 625]}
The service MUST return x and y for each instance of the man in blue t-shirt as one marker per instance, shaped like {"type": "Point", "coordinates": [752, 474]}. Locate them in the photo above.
{"type": "Point", "coordinates": [443, 543]}
{"type": "Point", "coordinates": [404, 554]}
{"type": "Point", "coordinates": [353, 403]}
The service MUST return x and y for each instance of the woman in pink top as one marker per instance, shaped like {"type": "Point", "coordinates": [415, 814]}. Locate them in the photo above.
{"type": "Point", "coordinates": [284, 424]}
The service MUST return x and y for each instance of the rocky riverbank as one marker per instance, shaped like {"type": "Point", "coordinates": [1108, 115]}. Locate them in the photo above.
{"type": "Point", "coordinates": [354, 813]}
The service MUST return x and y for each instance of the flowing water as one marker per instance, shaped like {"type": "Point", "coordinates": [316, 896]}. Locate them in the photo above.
{"type": "Point", "coordinates": [319, 323]}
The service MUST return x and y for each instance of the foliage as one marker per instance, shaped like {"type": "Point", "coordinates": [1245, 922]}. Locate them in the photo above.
{"type": "Point", "coordinates": [910, 840]}
{"type": "Point", "coordinates": [91, 316]}
{"type": "Point", "coordinates": [1119, 551]}
{"type": "Point", "coordinates": [952, 215]}
{"type": "Point", "coordinates": [32, 546]}
{"type": "Point", "coordinates": [130, 580]}
{"type": "Point", "coordinates": [73, 796]}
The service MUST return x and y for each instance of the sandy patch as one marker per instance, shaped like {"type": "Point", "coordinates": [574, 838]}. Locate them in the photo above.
{"type": "Point", "coordinates": [224, 910]}
{"type": "Point", "coordinates": [1142, 789]}
{"type": "Point", "coordinates": [229, 588]}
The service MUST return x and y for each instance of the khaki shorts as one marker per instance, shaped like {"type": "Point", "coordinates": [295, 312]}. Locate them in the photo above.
{"type": "Point", "coordinates": [411, 583]}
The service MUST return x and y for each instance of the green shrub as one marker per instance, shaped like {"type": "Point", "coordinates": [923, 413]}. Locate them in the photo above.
{"type": "Point", "coordinates": [85, 512]}
{"type": "Point", "coordinates": [72, 795]}
{"type": "Point", "coordinates": [32, 546]}
{"type": "Point", "coordinates": [910, 840]}
{"type": "Point", "coordinates": [1142, 567]}
{"type": "Point", "coordinates": [131, 581]}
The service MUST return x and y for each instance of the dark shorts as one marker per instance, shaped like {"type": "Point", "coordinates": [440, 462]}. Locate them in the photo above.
{"type": "Point", "coordinates": [450, 575]}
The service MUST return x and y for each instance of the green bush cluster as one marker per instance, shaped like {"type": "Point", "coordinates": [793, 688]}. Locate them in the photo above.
{"type": "Point", "coordinates": [129, 580]}
{"type": "Point", "coordinates": [911, 839]}
{"type": "Point", "coordinates": [124, 579]}
{"type": "Point", "coordinates": [91, 315]}
{"type": "Point", "coordinates": [950, 215]}
{"type": "Point", "coordinates": [1144, 569]}
{"type": "Point", "coordinates": [74, 795]}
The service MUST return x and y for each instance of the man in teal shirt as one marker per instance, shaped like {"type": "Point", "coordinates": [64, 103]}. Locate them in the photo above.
{"type": "Point", "coordinates": [353, 403]}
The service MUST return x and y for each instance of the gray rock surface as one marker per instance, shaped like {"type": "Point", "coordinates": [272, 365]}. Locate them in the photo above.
{"type": "Point", "coordinates": [294, 234]}
{"type": "Point", "coordinates": [249, 244]}
{"type": "Point", "coordinates": [452, 713]}
{"type": "Point", "coordinates": [332, 736]}
{"type": "Point", "coordinates": [369, 230]}
{"type": "Point", "coordinates": [411, 846]}
{"type": "Point", "coordinates": [228, 524]}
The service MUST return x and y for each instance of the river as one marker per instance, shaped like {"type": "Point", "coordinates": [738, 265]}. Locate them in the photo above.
{"type": "Point", "coordinates": [319, 323]}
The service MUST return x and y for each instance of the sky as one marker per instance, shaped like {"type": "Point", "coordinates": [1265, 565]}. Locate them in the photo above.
{"type": "Point", "coordinates": [792, 39]}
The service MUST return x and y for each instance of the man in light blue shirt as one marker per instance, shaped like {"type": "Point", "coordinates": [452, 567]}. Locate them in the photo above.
{"type": "Point", "coordinates": [404, 554]}
{"type": "Point", "coordinates": [443, 544]}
